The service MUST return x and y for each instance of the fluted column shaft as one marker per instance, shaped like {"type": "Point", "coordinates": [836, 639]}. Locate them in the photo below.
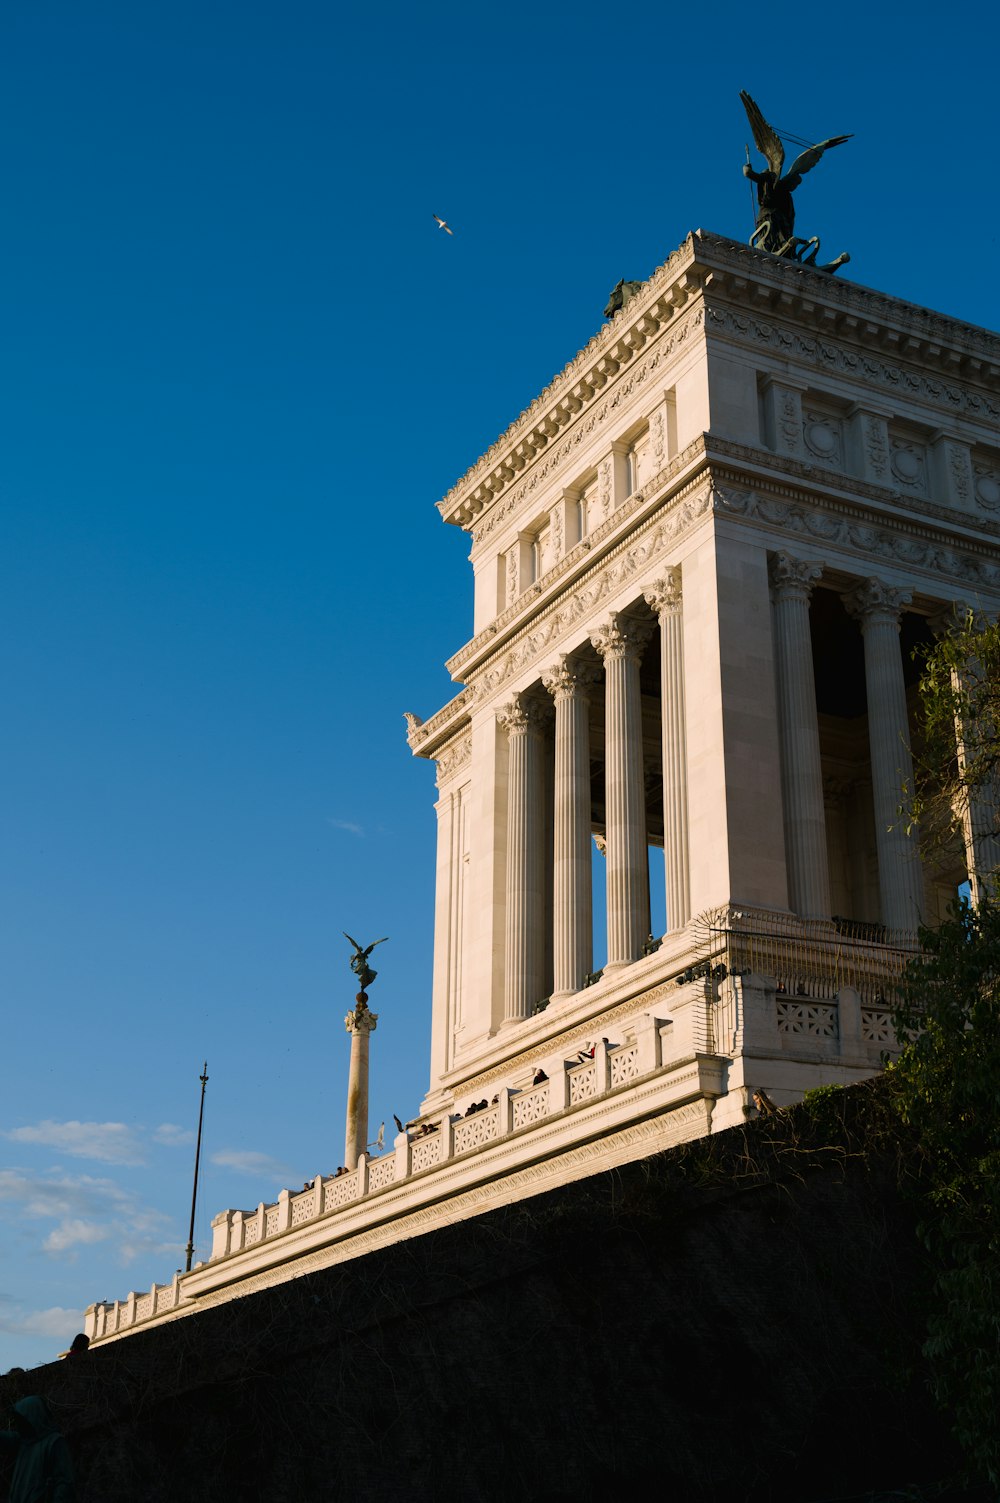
{"type": "Point", "coordinates": [360, 1024]}
{"type": "Point", "coordinates": [801, 770]}
{"type": "Point", "coordinates": [525, 940]}
{"type": "Point", "coordinates": [620, 644]}
{"type": "Point", "coordinates": [877, 607]}
{"type": "Point", "coordinates": [572, 900]}
{"type": "Point", "coordinates": [665, 598]}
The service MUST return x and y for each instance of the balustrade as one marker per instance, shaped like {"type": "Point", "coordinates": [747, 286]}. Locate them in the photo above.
{"type": "Point", "coordinates": [846, 1022]}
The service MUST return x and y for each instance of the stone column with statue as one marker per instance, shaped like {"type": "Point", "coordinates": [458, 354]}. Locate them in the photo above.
{"type": "Point", "coordinates": [360, 1024]}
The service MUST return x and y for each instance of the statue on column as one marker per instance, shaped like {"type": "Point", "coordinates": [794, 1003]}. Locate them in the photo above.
{"type": "Point", "coordinates": [359, 961]}
{"type": "Point", "coordinates": [775, 231]}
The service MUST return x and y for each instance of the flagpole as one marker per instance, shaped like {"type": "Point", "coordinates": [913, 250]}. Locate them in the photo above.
{"type": "Point", "coordinates": [203, 1077]}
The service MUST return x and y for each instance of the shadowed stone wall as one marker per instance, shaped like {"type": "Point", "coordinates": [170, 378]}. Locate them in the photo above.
{"type": "Point", "coordinates": [737, 1318]}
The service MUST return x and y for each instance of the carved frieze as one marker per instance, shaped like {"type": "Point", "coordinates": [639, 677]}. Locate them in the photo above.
{"type": "Point", "coordinates": [896, 547]}
{"type": "Point", "coordinates": [865, 365]}
{"type": "Point", "coordinates": [453, 759]}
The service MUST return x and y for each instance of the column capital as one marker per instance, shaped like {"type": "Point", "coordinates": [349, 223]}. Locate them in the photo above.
{"type": "Point", "coordinates": [361, 1019]}
{"type": "Point", "coordinates": [874, 603]}
{"type": "Point", "coordinates": [525, 712]}
{"type": "Point", "coordinates": [665, 595]}
{"type": "Point", "coordinates": [569, 678]}
{"type": "Point", "coordinates": [622, 637]}
{"type": "Point", "coordinates": [792, 578]}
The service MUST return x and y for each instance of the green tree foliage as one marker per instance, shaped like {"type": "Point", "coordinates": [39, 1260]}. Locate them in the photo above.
{"type": "Point", "coordinates": [957, 758]}
{"type": "Point", "coordinates": [946, 1083]}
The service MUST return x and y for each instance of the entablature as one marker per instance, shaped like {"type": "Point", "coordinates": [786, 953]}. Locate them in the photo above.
{"type": "Point", "coordinates": [729, 272]}
{"type": "Point", "coordinates": [432, 737]}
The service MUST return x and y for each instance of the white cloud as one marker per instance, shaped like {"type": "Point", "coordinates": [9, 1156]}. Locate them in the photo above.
{"type": "Point", "coordinates": [172, 1136]}
{"type": "Point", "coordinates": [112, 1142]}
{"type": "Point", "coordinates": [86, 1210]}
{"type": "Point", "coordinates": [346, 824]}
{"type": "Point", "coordinates": [75, 1232]}
{"type": "Point", "coordinates": [56, 1321]}
{"type": "Point", "coordinates": [245, 1161]}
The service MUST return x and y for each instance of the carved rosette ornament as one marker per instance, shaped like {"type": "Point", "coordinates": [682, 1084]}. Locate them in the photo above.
{"type": "Point", "coordinates": [987, 487]}
{"type": "Point", "coordinates": [874, 603]}
{"type": "Point", "coordinates": [792, 578]}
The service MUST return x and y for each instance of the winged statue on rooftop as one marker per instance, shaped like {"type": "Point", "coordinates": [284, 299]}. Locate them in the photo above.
{"type": "Point", "coordinates": [775, 230]}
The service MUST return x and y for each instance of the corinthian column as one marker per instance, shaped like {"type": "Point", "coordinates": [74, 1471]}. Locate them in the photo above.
{"type": "Point", "coordinates": [572, 902]}
{"type": "Point", "coordinates": [665, 598]}
{"type": "Point", "coordinates": [620, 644]}
{"type": "Point", "coordinates": [360, 1024]}
{"type": "Point", "coordinates": [801, 773]}
{"type": "Point", "coordinates": [877, 607]}
{"type": "Point", "coordinates": [524, 949]}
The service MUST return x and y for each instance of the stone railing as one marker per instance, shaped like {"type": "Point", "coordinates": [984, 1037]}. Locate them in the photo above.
{"type": "Point", "coordinates": [716, 1013]}
{"type": "Point", "coordinates": [442, 1139]}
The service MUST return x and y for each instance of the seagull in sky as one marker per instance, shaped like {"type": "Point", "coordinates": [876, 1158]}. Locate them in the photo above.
{"type": "Point", "coordinates": [443, 224]}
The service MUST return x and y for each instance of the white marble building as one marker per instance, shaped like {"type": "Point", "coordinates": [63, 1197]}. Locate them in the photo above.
{"type": "Point", "coordinates": [702, 558]}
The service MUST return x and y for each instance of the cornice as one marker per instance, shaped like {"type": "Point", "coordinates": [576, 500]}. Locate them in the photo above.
{"type": "Point", "coordinates": [597, 413]}
{"type": "Point", "coordinates": [427, 738]}
{"type": "Point", "coordinates": [838, 302]}
{"type": "Point", "coordinates": [727, 267]}
{"type": "Point", "coordinates": [576, 388]}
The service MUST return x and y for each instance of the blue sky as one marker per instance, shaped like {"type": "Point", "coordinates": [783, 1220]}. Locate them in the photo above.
{"type": "Point", "coordinates": [238, 365]}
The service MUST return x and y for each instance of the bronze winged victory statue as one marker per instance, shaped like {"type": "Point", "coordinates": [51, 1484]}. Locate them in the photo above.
{"type": "Point", "coordinates": [775, 231]}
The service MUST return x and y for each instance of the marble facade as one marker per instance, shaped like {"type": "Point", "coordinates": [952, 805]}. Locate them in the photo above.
{"type": "Point", "coordinates": [703, 557]}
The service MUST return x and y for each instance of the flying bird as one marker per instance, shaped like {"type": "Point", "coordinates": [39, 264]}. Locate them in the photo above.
{"type": "Point", "coordinates": [443, 224]}
{"type": "Point", "coordinates": [399, 1125]}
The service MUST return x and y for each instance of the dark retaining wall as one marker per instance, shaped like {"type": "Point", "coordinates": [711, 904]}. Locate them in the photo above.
{"type": "Point", "coordinates": [738, 1318]}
